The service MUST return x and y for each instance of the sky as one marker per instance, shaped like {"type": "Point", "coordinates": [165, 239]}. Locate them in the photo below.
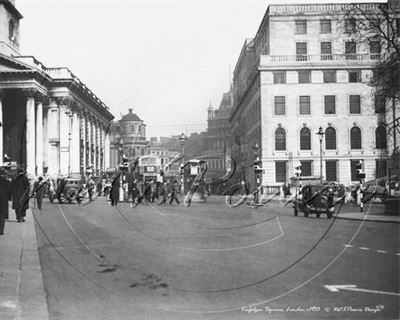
{"type": "Point", "coordinates": [167, 60]}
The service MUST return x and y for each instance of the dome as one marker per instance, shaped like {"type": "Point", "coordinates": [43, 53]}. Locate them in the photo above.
{"type": "Point", "coordinates": [130, 116]}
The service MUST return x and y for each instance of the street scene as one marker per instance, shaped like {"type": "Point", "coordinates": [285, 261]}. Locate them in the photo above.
{"type": "Point", "coordinates": [198, 160]}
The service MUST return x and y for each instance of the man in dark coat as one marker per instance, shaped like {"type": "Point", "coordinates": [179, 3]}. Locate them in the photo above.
{"type": "Point", "coordinates": [174, 193]}
{"type": "Point", "coordinates": [163, 192]}
{"type": "Point", "coordinates": [134, 191]}
{"type": "Point", "coordinates": [5, 192]}
{"type": "Point", "coordinates": [20, 188]}
{"type": "Point", "coordinates": [39, 189]}
{"type": "Point", "coordinates": [114, 193]}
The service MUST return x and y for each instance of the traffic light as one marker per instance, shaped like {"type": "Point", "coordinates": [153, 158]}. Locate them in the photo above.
{"type": "Point", "coordinates": [258, 166]}
{"type": "Point", "coordinates": [297, 171]}
{"type": "Point", "coordinates": [360, 174]}
{"type": "Point", "coordinates": [182, 170]}
{"type": "Point", "coordinates": [124, 166]}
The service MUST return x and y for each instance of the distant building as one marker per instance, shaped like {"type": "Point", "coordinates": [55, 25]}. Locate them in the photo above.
{"type": "Point", "coordinates": [51, 122]}
{"type": "Point", "coordinates": [128, 137]}
{"type": "Point", "coordinates": [303, 71]}
{"type": "Point", "coordinates": [166, 156]}
{"type": "Point", "coordinates": [217, 139]}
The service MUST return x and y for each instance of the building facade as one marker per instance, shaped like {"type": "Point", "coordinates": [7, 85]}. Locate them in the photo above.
{"type": "Point", "coordinates": [217, 138]}
{"type": "Point", "coordinates": [303, 71]}
{"type": "Point", "coordinates": [51, 123]}
{"type": "Point", "coordinates": [166, 156]}
{"type": "Point", "coordinates": [128, 137]}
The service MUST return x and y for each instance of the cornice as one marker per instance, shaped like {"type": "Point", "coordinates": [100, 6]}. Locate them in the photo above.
{"type": "Point", "coordinates": [12, 8]}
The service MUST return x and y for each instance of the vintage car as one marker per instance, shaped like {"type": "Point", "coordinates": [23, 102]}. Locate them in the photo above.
{"type": "Point", "coordinates": [68, 189]}
{"type": "Point", "coordinates": [315, 199]}
{"type": "Point", "coordinates": [374, 191]}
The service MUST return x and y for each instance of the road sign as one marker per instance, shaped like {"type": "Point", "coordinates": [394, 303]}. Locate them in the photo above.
{"type": "Point", "coordinates": [353, 287]}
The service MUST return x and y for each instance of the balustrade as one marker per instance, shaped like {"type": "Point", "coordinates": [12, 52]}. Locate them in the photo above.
{"type": "Point", "coordinates": [272, 59]}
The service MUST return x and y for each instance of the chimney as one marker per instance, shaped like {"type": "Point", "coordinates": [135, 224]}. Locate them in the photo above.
{"type": "Point", "coordinates": [130, 111]}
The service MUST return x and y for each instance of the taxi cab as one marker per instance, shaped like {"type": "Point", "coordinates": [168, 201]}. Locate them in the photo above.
{"type": "Point", "coordinates": [315, 199]}
{"type": "Point", "coordinates": [68, 189]}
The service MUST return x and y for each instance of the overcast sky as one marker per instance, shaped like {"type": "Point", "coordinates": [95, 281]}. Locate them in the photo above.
{"type": "Point", "coordinates": [167, 60]}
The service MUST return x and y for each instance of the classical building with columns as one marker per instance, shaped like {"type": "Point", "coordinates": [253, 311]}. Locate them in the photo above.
{"type": "Point", "coordinates": [51, 122]}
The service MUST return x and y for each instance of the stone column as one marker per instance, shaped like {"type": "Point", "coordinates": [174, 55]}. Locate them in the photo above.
{"type": "Point", "coordinates": [83, 142]}
{"type": "Point", "coordinates": [101, 140]}
{"type": "Point", "coordinates": [39, 138]}
{"type": "Point", "coordinates": [107, 149]}
{"type": "Point", "coordinates": [30, 137]}
{"type": "Point", "coordinates": [93, 144]}
{"type": "Point", "coordinates": [98, 130]}
{"type": "Point", "coordinates": [65, 132]}
{"type": "Point", "coordinates": [45, 138]}
{"type": "Point", "coordinates": [53, 133]}
{"type": "Point", "coordinates": [89, 159]}
{"type": "Point", "coordinates": [75, 143]}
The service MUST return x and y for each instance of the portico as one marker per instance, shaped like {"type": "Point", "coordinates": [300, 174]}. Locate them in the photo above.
{"type": "Point", "coordinates": [51, 123]}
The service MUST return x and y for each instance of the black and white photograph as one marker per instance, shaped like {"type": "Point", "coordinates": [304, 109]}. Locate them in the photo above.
{"type": "Point", "coordinates": [199, 159]}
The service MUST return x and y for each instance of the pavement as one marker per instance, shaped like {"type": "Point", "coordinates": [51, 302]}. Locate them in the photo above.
{"type": "Point", "coordinates": [22, 293]}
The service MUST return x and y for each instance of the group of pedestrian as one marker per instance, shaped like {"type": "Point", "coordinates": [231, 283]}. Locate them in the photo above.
{"type": "Point", "coordinates": [170, 191]}
{"type": "Point", "coordinates": [153, 191]}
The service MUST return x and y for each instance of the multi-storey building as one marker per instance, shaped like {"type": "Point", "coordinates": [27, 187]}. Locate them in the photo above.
{"type": "Point", "coordinates": [128, 137]}
{"type": "Point", "coordinates": [217, 137]}
{"type": "Point", "coordinates": [166, 156]}
{"type": "Point", "coordinates": [51, 122]}
{"type": "Point", "coordinates": [303, 70]}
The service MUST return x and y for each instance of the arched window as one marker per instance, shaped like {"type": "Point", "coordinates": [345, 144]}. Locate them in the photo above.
{"type": "Point", "coordinates": [280, 139]}
{"type": "Point", "coordinates": [380, 138]}
{"type": "Point", "coordinates": [330, 138]}
{"type": "Point", "coordinates": [305, 139]}
{"type": "Point", "coordinates": [355, 138]}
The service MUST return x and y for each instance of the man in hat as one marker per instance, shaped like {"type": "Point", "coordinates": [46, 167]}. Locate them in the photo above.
{"type": "Point", "coordinates": [20, 194]}
{"type": "Point", "coordinates": [39, 189]}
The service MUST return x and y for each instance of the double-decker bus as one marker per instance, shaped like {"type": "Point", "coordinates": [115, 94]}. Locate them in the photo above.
{"type": "Point", "coordinates": [150, 167]}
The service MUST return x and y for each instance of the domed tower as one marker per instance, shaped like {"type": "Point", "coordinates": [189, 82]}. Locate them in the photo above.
{"type": "Point", "coordinates": [9, 28]}
{"type": "Point", "coordinates": [133, 134]}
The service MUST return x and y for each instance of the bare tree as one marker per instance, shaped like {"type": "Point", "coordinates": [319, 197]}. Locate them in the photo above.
{"type": "Point", "coordinates": [377, 26]}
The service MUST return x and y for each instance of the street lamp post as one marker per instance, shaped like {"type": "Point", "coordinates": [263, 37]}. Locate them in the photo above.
{"type": "Point", "coordinates": [256, 149]}
{"type": "Point", "coordinates": [120, 150]}
{"type": "Point", "coordinates": [182, 139]}
{"type": "Point", "coordinates": [321, 136]}
{"type": "Point", "coordinates": [120, 155]}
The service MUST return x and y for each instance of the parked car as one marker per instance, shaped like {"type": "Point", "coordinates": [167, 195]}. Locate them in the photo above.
{"type": "Point", "coordinates": [315, 199]}
{"type": "Point", "coordinates": [374, 192]}
{"type": "Point", "coordinates": [68, 190]}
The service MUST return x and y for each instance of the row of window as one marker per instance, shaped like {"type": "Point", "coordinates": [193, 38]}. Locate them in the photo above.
{"type": "Point", "coordinates": [326, 50]}
{"type": "Point", "coordinates": [330, 138]}
{"type": "Point", "coordinates": [350, 25]}
{"type": "Point", "coordinates": [328, 76]}
{"type": "Point", "coordinates": [329, 105]}
{"type": "Point", "coordinates": [331, 169]}
{"type": "Point", "coordinates": [325, 26]}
